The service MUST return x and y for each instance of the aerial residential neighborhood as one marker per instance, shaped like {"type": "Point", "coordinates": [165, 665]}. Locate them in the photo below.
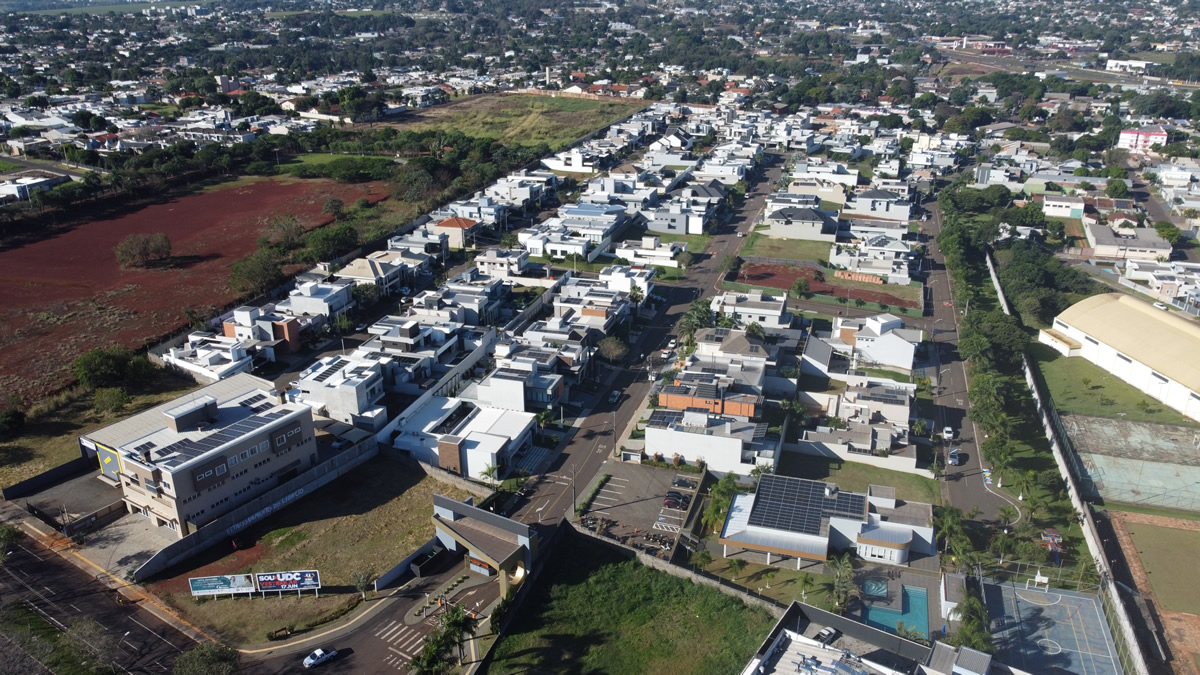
{"type": "Point", "coordinates": [453, 337]}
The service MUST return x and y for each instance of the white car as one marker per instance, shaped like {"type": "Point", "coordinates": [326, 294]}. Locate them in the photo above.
{"type": "Point", "coordinates": [673, 344]}
{"type": "Point", "coordinates": [741, 234]}
{"type": "Point", "coordinates": [948, 433]}
{"type": "Point", "coordinates": [1159, 305]}
{"type": "Point", "coordinates": [318, 657]}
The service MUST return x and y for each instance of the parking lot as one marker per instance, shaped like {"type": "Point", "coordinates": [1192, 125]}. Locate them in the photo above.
{"type": "Point", "coordinates": [633, 500]}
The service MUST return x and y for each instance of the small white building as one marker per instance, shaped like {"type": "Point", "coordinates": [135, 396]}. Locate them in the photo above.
{"type": "Point", "coordinates": [208, 358]}
{"type": "Point", "coordinates": [724, 444]}
{"type": "Point", "coordinates": [649, 250]}
{"type": "Point", "coordinates": [318, 298]}
{"type": "Point", "coordinates": [462, 437]}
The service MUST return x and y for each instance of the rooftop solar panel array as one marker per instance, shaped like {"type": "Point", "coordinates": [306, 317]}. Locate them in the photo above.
{"type": "Point", "coordinates": [664, 418]}
{"type": "Point", "coordinates": [187, 449]}
{"type": "Point", "coordinates": [799, 505]}
{"type": "Point", "coordinates": [253, 399]}
{"type": "Point", "coordinates": [334, 367]}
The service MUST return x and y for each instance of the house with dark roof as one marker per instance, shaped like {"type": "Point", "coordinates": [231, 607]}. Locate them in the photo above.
{"type": "Point", "coordinates": [794, 222]}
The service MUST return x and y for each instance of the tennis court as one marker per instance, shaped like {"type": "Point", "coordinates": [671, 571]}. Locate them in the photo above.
{"type": "Point", "coordinates": [1050, 631]}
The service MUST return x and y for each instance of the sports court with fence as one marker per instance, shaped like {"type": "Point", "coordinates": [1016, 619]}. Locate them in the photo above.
{"type": "Point", "coordinates": [1049, 630]}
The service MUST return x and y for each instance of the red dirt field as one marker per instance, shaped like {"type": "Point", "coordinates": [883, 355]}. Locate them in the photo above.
{"type": "Point", "coordinates": [64, 295]}
{"type": "Point", "coordinates": [783, 276]}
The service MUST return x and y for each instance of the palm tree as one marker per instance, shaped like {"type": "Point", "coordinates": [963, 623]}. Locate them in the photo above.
{"type": "Point", "coordinates": [687, 329]}
{"type": "Point", "coordinates": [1007, 515]}
{"type": "Point", "coordinates": [701, 558]}
{"type": "Point", "coordinates": [758, 471]}
{"type": "Point", "coordinates": [490, 472]}
{"type": "Point", "coordinates": [636, 296]}
{"type": "Point", "coordinates": [948, 521]}
{"type": "Point", "coordinates": [458, 624]}
{"type": "Point", "coordinates": [769, 575]}
{"type": "Point", "coordinates": [544, 417]}
{"type": "Point", "coordinates": [736, 565]}
{"type": "Point", "coordinates": [756, 330]}
{"type": "Point", "coordinates": [806, 585]}
{"type": "Point", "coordinates": [726, 321]}
{"type": "Point", "coordinates": [920, 427]}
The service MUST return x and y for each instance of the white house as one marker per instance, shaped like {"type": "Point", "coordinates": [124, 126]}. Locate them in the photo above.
{"type": "Point", "coordinates": [208, 358]}
{"type": "Point", "coordinates": [315, 298]}
{"type": "Point", "coordinates": [462, 437]}
{"type": "Point", "coordinates": [797, 518]}
{"type": "Point", "coordinates": [754, 307]}
{"type": "Point", "coordinates": [724, 444]}
{"type": "Point", "coordinates": [877, 341]}
{"type": "Point", "coordinates": [879, 205]}
{"type": "Point", "coordinates": [1154, 351]}
{"type": "Point", "coordinates": [649, 250]}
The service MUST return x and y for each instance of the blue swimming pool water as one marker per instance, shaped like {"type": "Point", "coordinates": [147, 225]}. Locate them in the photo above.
{"type": "Point", "coordinates": [915, 614]}
{"type": "Point", "coordinates": [875, 588]}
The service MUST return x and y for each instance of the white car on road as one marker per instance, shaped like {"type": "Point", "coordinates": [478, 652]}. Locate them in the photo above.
{"type": "Point", "coordinates": [948, 433]}
{"type": "Point", "coordinates": [318, 657]}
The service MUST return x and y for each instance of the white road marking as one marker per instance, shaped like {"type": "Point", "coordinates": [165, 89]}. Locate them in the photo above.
{"type": "Point", "coordinates": [666, 528]}
{"type": "Point", "coordinates": [149, 630]}
{"type": "Point", "coordinates": [386, 628]}
{"type": "Point", "coordinates": [387, 637]}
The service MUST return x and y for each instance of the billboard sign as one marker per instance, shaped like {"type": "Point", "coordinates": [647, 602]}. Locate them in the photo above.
{"type": "Point", "coordinates": [227, 585]}
{"type": "Point", "coordinates": [307, 580]}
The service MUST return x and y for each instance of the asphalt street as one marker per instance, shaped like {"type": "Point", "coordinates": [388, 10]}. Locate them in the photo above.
{"type": "Point", "coordinates": [963, 486]}
{"type": "Point", "coordinates": [133, 639]}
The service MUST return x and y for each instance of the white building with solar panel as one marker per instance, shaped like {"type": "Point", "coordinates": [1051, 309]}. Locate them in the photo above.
{"type": "Point", "coordinates": [795, 518]}
{"type": "Point", "coordinates": [187, 462]}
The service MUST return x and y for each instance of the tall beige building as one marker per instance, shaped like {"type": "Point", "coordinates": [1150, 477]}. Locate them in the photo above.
{"type": "Point", "coordinates": [187, 462]}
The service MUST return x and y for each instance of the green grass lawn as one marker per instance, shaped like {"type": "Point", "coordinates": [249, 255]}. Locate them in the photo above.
{"type": "Point", "coordinates": [1168, 555]}
{"type": "Point", "coordinates": [856, 477]}
{"type": "Point", "coordinates": [51, 438]}
{"type": "Point", "coordinates": [889, 374]}
{"type": "Point", "coordinates": [762, 246]}
{"type": "Point", "coordinates": [1154, 57]}
{"type": "Point", "coordinates": [785, 584]}
{"type": "Point", "coordinates": [601, 613]}
{"type": "Point", "coordinates": [696, 243]}
{"type": "Point", "coordinates": [9, 167]}
{"type": "Point", "coordinates": [314, 158]}
{"type": "Point", "coordinates": [827, 205]}
{"type": "Point", "coordinates": [524, 120]}
{"type": "Point", "coordinates": [1104, 395]}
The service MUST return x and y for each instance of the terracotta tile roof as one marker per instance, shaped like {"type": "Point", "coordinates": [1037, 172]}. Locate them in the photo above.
{"type": "Point", "coordinates": [459, 223]}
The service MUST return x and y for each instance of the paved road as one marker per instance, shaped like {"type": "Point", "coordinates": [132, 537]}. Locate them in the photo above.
{"type": "Point", "coordinates": [386, 637]}
{"type": "Point", "coordinates": [135, 639]}
{"type": "Point", "coordinates": [963, 485]}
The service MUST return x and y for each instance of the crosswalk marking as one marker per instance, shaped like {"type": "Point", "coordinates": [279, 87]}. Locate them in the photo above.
{"type": "Point", "coordinates": [666, 528]}
{"type": "Point", "coordinates": [386, 628]}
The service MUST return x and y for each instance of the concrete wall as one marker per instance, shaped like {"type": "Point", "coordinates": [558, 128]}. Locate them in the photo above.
{"type": "Point", "coordinates": [455, 481]}
{"type": "Point", "coordinates": [390, 576]}
{"type": "Point", "coordinates": [893, 462]}
{"type": "Point", "coordinates": [246, 515]}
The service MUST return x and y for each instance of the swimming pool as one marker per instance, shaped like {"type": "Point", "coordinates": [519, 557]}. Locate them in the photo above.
{"type": "Point", "coordinates": [875, 588]}
{"type": "Point", "coordinates": [915, 615]}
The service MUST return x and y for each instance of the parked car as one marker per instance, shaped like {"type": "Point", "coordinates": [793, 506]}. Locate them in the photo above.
{"type": "Point", "coordinates": [955, 457]}
{"type": "Point", "coordinates": [1159, 305]}
{"type": "Point", "coordinates": [948, 433]}
{"type": "Point", "coordinates": [614, 396]}
{"type": "Point", "coordinates": [318, 657]}
{"type": "Point", "coordinates": [673, 504]}
{"type": "Point", "coordinates": [741, 234]}
{"type": "Point", "coordinates": [679, 496]}
{"type": "Point", "coordinates": [827, 635]}
{"type": "Point", "coordinates": [683, 483]}
{"type": "Point", "coordinates": [673, 343]}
